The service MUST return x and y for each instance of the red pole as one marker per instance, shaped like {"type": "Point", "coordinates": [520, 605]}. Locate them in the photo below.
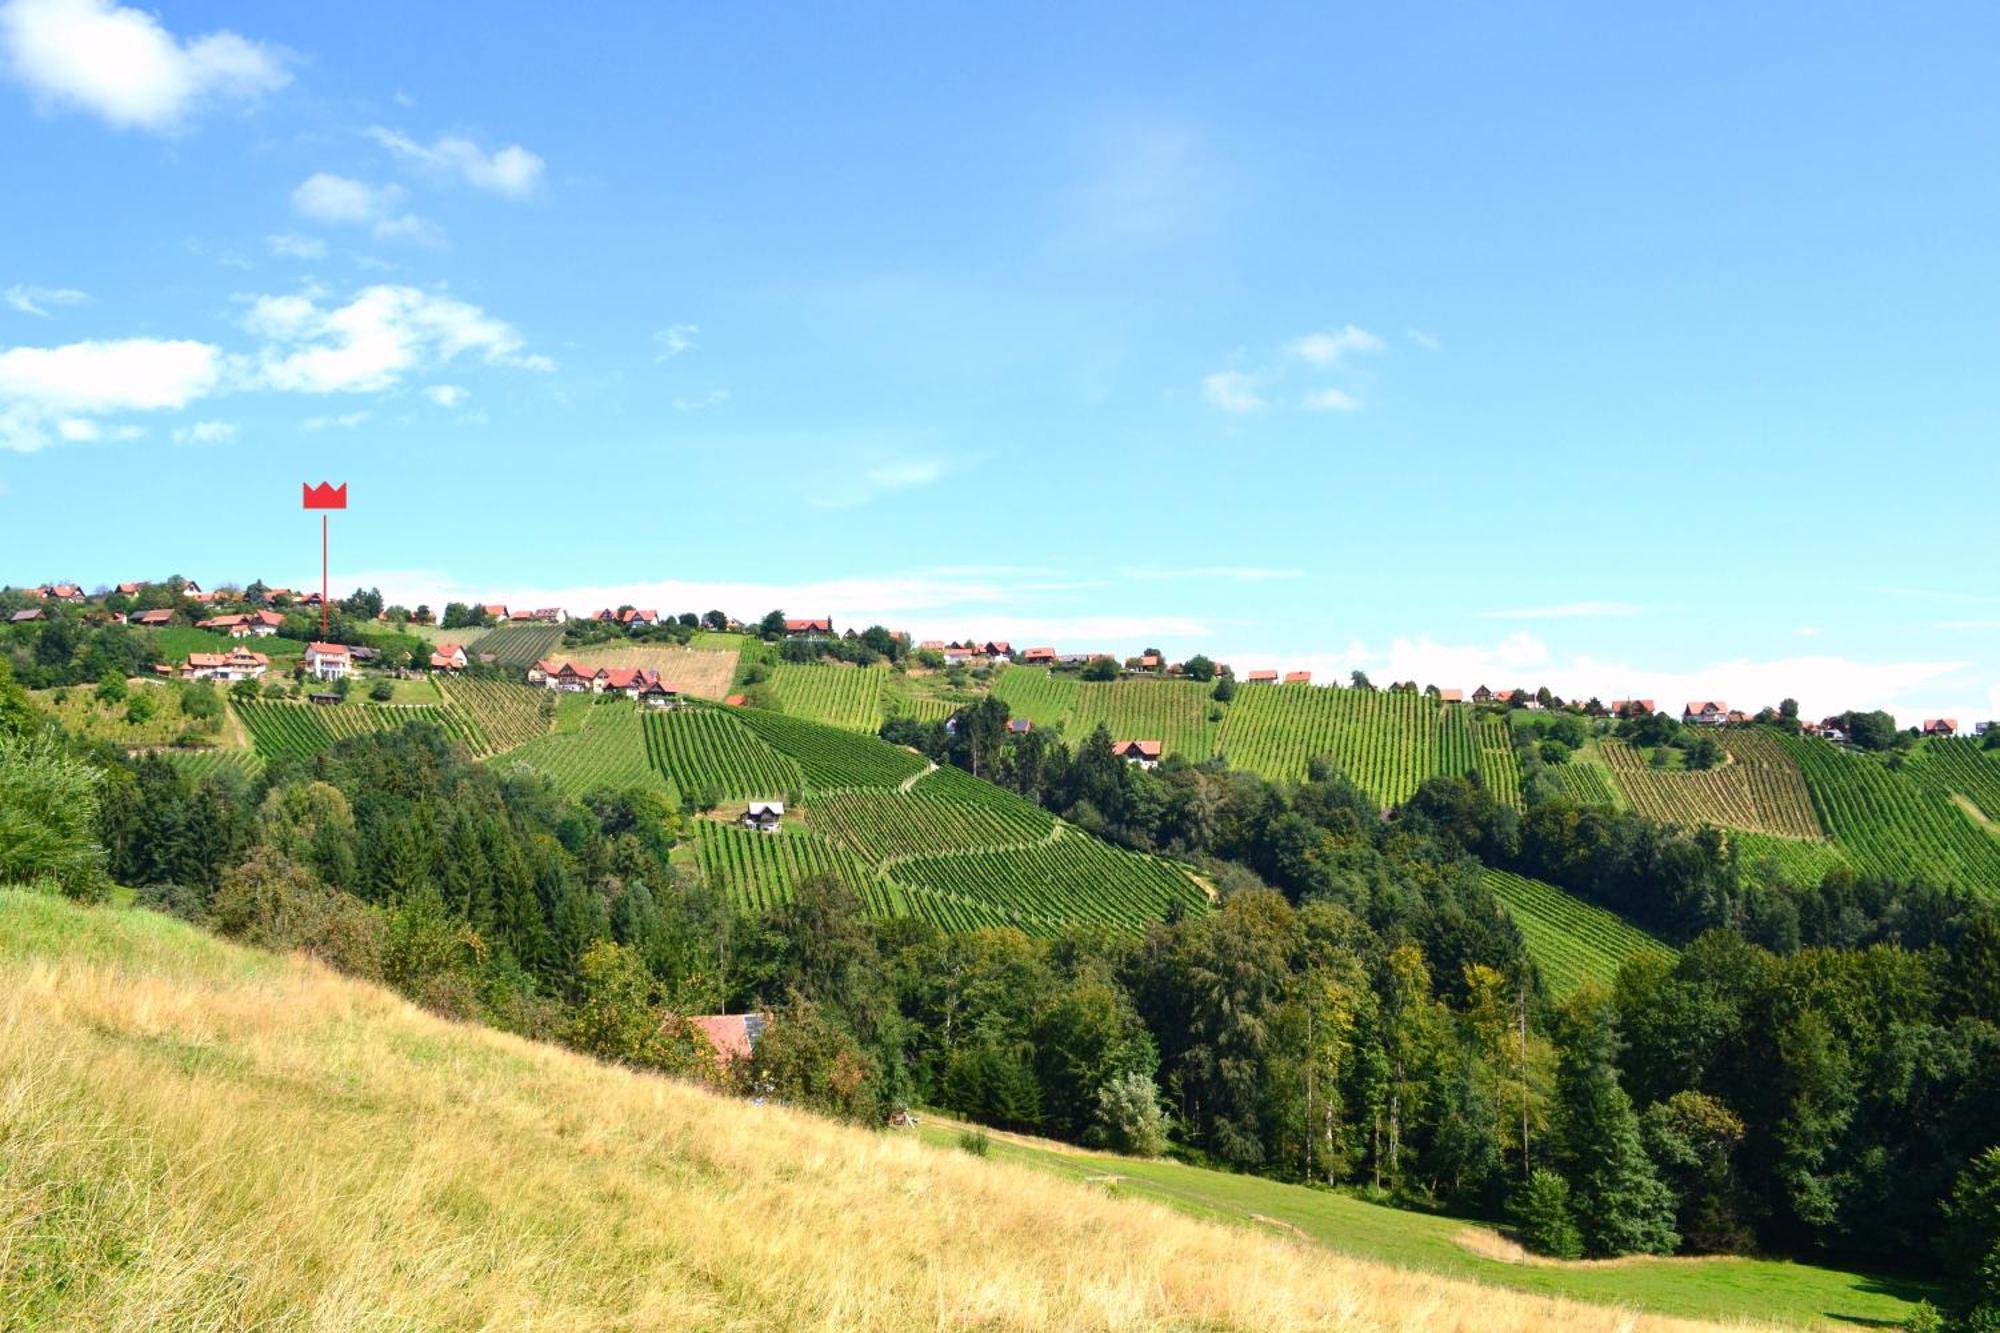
{"type": "Point", "coordinates": [322, 576]}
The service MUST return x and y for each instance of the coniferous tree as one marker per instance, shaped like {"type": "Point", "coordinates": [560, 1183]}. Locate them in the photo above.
{"type": "Point", "coordinates": [1621, 1205]}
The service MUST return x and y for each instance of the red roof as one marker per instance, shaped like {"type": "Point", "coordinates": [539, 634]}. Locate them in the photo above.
{"type": "Point", "coordinates": [625, 678]}
{"type": "Point", "coordinates": [1039, 655]}
{"type": "Point", "coordinates": [734, 701]}
{"type": "Point", "coordinates": [1260, 676]}
{"type": "Point", "coordinates": [497, 609]}
{"type": "Point", "coordinates": [327, 649]}
{"type": "Point", "coordinates": [1298, 677]}
{"type": "Point", "coordinates": [1705, 706]}
{"type": "Point", "coordinates": [1146, 749]}
{"type": "Point", "coordinates": [730, 1034]}
{"type": "Point", "coordinates": [1451, 696]}
{"type": "Point", "coordinates": [130, 588]}
{"type": "Point", "coordinates": [155, 617]}
{"type": "Point", "coordinates": [1932, 724]}
{"type": "Point", "coordinates": [1620, 705]}
{"type": "Point", "coordinates": [823, 626]}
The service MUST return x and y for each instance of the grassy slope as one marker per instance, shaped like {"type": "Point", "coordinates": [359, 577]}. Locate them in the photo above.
{"type": "Point", "coordinates": [202, 1136]}
{"type": "Point", "coordinates": [1800, 1294]}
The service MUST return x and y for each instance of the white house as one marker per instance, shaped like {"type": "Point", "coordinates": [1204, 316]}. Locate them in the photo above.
{"type": "Point", "coordinates": [328, 661]}
{"type": "Point", "coordinates": [766, 815]}
{"type": "Point", "coordinates": [237, 664]}
{"type": "Point", "coordinates": [1706, 712]}
{"type": "Point", "coordinates": [1146, 754]}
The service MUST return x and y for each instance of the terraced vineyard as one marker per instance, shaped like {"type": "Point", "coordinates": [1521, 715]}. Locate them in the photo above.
{"type": "Point", "coordinates": [888, 826]}
{"type": "Point", "coordinates": [832, 758]}
{"type": "Point", "coordinates": [595, 743]}
{"type": "Point", "coordinates": [519, 645]}
{"type": "Point", "coordinates": [1173, 712]}
{"type": "Point", "coordinates": [1801, 863]}
{"type": "Point", "coordinates": [1760, 790]}
{"type": "Point", "coordinates": [761, 870]}
{"type": "Point", "coordinates": [1959, 766]}
{"type": "Point", "coordinates": [839, 696]}
{"type": "Point", "coordinates": [713, 758]}
{"type": "Point", "coordinates": [1569, 939]}
{"type": "Point", "coordinates": [1893, 824]}
{"type": "Point", "coordinates": [505, 715]}
{"type": "Point", "coordinates": [1584, 782]}
{"type": "Point", "coordinates": [1071, 878]}
{"type": "Point", "coordinates": [1386, 741]}
{"type": "Point", "coordinates": [199, 764]}
{"type": "Point", "coordinates": [282, 727]}
{"type": "Point", "coordinates": [1041, 696]}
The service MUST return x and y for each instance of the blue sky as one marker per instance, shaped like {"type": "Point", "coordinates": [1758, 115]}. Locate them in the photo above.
{"type": "Point", "coordinates": [1639, 356]}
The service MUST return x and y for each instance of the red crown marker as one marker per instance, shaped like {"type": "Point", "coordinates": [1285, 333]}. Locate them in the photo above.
{"type": "Point", "coordinates": [326, 496]}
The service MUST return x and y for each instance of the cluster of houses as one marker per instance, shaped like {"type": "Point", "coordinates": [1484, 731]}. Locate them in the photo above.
{"type": "Point", "coordinates": [223, 668]}
{"type": "Point", "coordinates": [640, 683]}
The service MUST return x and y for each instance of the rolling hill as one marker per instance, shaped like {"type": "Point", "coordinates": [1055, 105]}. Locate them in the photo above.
{"type": "Point", "coordinates": [201, 1135]}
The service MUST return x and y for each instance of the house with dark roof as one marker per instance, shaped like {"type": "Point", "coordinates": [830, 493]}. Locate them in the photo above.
{"type": "Point", "coordinates": [764, 816]}
{"type": "Point", "coordinates": [23, 617]}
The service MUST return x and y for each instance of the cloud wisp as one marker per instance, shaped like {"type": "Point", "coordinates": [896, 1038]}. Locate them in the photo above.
{"type": "Point", "coordinates": [32, 300]}
{"type": "Point", "coordinates": [512, 171]}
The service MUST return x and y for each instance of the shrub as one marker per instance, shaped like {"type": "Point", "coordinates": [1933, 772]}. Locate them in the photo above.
{"type": "Point", "coordinates": [273, 903]}
{"type": "Point", "coordinates": [382, 691]}
{"type": "Point", "coordinates": [1129, 1118]}
{"type": "Point", "coordinates": [48, 818]}
{"type": "Point", "coordinates": [975, 1141]}
{"type": "Point", "coordinates": [1541, 1210]}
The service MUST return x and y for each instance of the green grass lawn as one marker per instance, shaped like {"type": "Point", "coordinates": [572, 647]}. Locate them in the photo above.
{"type": "Point", "coordinates": [1800, 1294]}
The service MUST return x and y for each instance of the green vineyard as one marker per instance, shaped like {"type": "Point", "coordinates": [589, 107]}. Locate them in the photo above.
{"type": "Point", "coordinates": [1892, 824]}
{"type": "Point", "coordinates": [712, 757]}
{"type": "Point", "coordinates": [1959, 767]}
{"type": "Point", "coordinates": [519, 645]}
{"type": "Point", "coordinates": [1067, 880]}
{"type": "Point", "coordinates": [887, 826]}
{"type": "Point", "coordinates": [1173, 712]}
{"type": "Point", "coordinates": [1583, 782]}
{"type": "Point", "coordinates": [595, 743]}
{"type": "Point", "coordinates": [504, 714]}
{"type": "Point", "coordinates": [760, 870]}
{"type": "Point", "coordinates": [839, 696]}
{"type": "Point", "coordinates": [203, 763]}
{"type": "Point", "coordinates": [1759, 789]}
{"type": "Point", "coordinates": [281, 727]}
{"type": "Point", "coordinates": [1043, 697]}
{"type": "Point", "coordinates": [1796, 862]}
{"type": "Point", "coordinates": [1570, 940]}
{"type": "Point", "coordinates": [832, 758]}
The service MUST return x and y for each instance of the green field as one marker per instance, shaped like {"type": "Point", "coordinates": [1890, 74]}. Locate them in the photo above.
{"type": "Point", "coordinates": [203, 763]}
{"type": "Point", "coordinates": [1801, 1295]}
{"type": "Point", "coordinates": [1894, 823]}
{"type": "Point", "coordinates": [518, 645]}
{"type": "Point", "coordinates": [1570, 940]}
{"type": "Point", "coordinates": [832, 758]}
{"type": "Point", "coordinates": [888, 826]}
{"type": "Point", "coordinates": [595, 742]}
{"type": "Point", "coordinates": [1071, 878]}
{"type": "Point", "coordinates": [1960, 767]}
{"type": "Point", "coordinates": [712, 757]}
{"type": "Point", "coordinates": [281, 727]}
{"type": "Point", "coordinates": [1584, 782]}
{"type": "Point", "coordinates": [839, 696]}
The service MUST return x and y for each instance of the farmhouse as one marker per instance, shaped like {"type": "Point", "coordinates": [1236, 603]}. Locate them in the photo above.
{"type": "Point", "coordinates": [1940, 726]}
{"type": "Point", "coordinates": [1145, 662]}
{"type": "Point", "coordinates": [495, 610]}
{"type": "Point", "coordinates": [732, 1036]}
{"type": "Point", "coordinates": [1146, 754]}
{"type": "Point", "coordinates": [767, 816]}
{"type": "Point", "coordinates": [237, 664]}
{"type": "Point", "coordinates": [1298, 678]}
{"type": "Point", "coordinates": [931, 646]}
{"type": "Point", "coordinates": [131, 589]}
{"type": "Point", "coordinates": [628, 681]}
{"type": "Point", "coordinates": [659, 694]}
{"type": "Point", "coordinates": [328, 661]}
{"type": "Point", "coordinates": [60, 592]}
{"type": "Point", "coordinates": [1262, 678]}
{"type": "Point", "coordinates": [815, 625]}
{"type": "Point", "coordinates": [260, 624]}
{"type": "Point", "coordinates": [448, 657]}
{"type": "Point", "coordinates": [1451, 696]}
{"type": "Point", "coordinates": [154, 619]}
{"type": "Point", "coordinates": [572, 679]}
{"type": "Point", "coordinates": [1039, 657]}
{"type": "Point", "coordinates": [1632, 707]}
{"type": "Point", "coordinates": [1706, 712]}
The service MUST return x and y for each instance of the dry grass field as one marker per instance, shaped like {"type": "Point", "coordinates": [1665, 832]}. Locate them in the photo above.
{"type": "Point", "coordinates": [199, 1136]}
{"type": "Point", "coordinates": [702, 672]}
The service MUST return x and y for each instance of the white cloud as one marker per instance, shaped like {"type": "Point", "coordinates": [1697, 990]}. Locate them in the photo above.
{"type": "Point", "coordinates": [701, 402]}
{"type": "Point", "coordinates": [1331, 347]}
{"type": "Point", "coordinates": [205, 432]}
{"type": "Point", "coordinates": [1564, 611]}
{"type": "Point", "coordinates": [123, 66]}
{"type": "Point", "coordinates": [345, 421]}
{"type": "Point", "coordinates": [881, 479]}
{"type": "Point", "coordinates": [1428, 341]}
{"type": "Point", "coordinates": [512, 170]}
{"type": "Point", "coordinates": [370, 343]}
{"type": "Point", "coordinates": [41, 386]}
{"type": "Point", "coordinates": [673, 340]}
{"type": "Point", "coordinates": [1232, 391]}
{"type": "Point", "coordinates": [1807, 631]}
{"type": "Point", "coordinates": [1330, 400]}
{"type": "Point", "coordinates": [290, 245]}
{"type": "Point", "coordinates": [446, 395]}
{"type": "Point", "coordinates": [344, 201]}
{"type": "Point", "coordinates": [32, 300]}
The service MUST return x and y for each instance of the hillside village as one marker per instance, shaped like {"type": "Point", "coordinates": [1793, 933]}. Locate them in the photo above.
{"type": "Point", "coordinates": [265, 612]}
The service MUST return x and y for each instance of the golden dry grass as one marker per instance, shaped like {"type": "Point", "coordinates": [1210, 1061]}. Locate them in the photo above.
{"type": "Point", "coordinates": [702, 672]}
{"type": "Point", "coordinates": [194, 1136]}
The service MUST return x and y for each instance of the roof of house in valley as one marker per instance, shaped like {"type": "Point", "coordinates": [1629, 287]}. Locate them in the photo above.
{"type": "Point", "coordinates": [328, 650]}
{"type": "Point", "coordinates": [1451, 696]}
{"type": "Point", "coordinates": [733, 1036]}
{"type": "Point", "coordinates": [1298, 677]}
{"type": "Point", "coordinates": [1261, 676]}
{"type": "Point", "coordinates": [820, 624]}
{"type": "Point", "coordinates": [32, 613]}
{"type": "Point", "coordinates": [1940, 724]}
{"type": "Point", "coordinates": [161, 617]}
{"type": "Point", "coordinates": [1145, 749]}
{"type": "Point", "coordinates": [128, 589]}
{"type": "Point", "coordinates": [1705, 706]}
{"type": "Point", "coordinates": [734, 701]}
